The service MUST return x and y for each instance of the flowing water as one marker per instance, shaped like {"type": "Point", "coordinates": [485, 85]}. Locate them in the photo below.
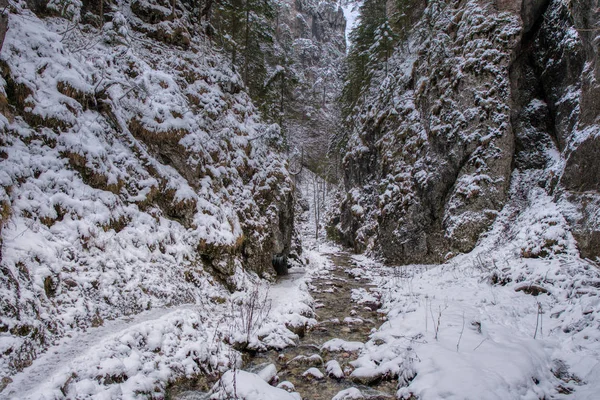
{"type": "Point", "coordinates": [332, 293]}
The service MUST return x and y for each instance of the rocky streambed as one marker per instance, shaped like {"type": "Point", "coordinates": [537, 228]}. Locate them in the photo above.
{"type": "Point", "coordinates": [320, 366]}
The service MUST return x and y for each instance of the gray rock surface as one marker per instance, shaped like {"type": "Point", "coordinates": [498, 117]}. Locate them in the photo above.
{"type": "Point", "coordinates": [481, 89]}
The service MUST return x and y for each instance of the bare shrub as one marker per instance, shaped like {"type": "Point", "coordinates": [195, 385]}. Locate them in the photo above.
{"type": "Point", "coordinates": [249, 315]}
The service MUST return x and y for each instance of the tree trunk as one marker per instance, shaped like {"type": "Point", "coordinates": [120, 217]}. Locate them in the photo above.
{"type": "Point", "coordinates": [277, 26]}
{"type": "Point", "coordinates": [3, 20]}
{"type": "Point", "coordinates": [316, 205]}
{"type": "Point", "coordinates": [233, 44]}
{"type": "Point", "coordinates": [247, 42]}
{"type": "Point", "coordinates": [282, 98]}
{"type": "Point", "coordinates": [206, 10]}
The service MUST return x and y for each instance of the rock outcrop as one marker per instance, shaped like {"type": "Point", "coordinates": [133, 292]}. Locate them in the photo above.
{"type": "Point", "coordinates": [480, 90]}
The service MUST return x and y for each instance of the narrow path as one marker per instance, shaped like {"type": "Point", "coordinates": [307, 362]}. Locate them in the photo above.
{"type": "Point", "coordinates": [49, 364]}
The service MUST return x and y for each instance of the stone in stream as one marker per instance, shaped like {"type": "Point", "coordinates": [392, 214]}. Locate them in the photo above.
{"type": "Point", "coordinates": [320, 328]}
{"type": "Point", "coordinates": [287, 386]}
{"type": "Point", "coordinates": [334, 370]}
{"type": "Point", "coordinates": [366, 376]}
{"type": "Point", "coordinates": [269, 374]}
{"type": "Point", "coordinates": [332, 321]}
{"type": "Point", "coordinates": [351, 320]}
{"type": "Point", "coordinates": [338, 345]}
{"type": "Point", "coordinates": [298, 329]}
{"type": "Point", "coordinates": [312, 360]}
{"type": "Point", "coordinates": [349, 394]}
{"type": "Point", "coordinates": [372, 305]}
{"type": "Point", "coordinates": [313, 373]}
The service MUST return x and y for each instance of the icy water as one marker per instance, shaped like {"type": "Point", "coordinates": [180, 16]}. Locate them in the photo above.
{"type": "Point", "coordinates": [332, 293]}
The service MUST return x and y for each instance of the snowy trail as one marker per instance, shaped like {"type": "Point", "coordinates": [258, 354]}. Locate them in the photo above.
{"type": "Point", "coordinates": [292, 280]}
{"type": "Point", "coordinates": [58, 358]}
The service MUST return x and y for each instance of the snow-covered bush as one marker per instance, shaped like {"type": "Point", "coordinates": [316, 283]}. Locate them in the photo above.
{"type": "Point", "coordinates": [67, 8]}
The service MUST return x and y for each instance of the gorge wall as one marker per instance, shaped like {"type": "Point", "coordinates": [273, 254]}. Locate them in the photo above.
{"type": "Point", "coordinates": [485, 102]}
{"type": "Point", "coordinates": [135, 171]}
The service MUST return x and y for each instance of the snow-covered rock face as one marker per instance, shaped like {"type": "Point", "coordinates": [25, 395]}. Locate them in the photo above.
{"type": "Point", "coordinates": [312, 32]}
{"type": "Point", "coordinates": [132, 171]}
{"type": "Point", "coordinates": [479, 90]}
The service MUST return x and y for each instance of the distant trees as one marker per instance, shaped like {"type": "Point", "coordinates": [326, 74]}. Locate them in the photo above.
{"type": "Point", "coordinates": [247, 30]}
{"type": "Point", "coordinates": [359, 63]}
{"type": "Point", "coordinates": [290, 71]}
{"type": "Point", "coordinates": [381, 26]}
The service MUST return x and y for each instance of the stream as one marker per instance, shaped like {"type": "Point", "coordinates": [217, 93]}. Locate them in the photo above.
{"type": "Point", "coordinates": [338, 316]}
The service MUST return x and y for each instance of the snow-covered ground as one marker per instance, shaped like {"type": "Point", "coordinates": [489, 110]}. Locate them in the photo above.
{"type": "Point", "coordinates": [491, 324]}
{"type": "Point", "coordinates": [488, 325]}
{"type": "Point", "coordinates": [133, 357]}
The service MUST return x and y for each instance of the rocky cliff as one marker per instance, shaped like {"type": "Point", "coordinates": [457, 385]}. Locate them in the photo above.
{"type": "Point", "coordinates": [312, 34]}
{"type": "Point", "coordinates": [134, 170]}
{"type": "Point", "coordinates": [485, 103]}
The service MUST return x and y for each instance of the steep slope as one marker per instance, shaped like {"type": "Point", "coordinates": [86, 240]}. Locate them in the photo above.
{"type": "Point", "coordinates": [481, 96]}
{"type": "Point", "coordinates": [134, 171]}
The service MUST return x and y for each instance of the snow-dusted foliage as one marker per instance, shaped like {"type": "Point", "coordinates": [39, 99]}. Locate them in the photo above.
{"type": "Point", "coordinates": [134, 171]}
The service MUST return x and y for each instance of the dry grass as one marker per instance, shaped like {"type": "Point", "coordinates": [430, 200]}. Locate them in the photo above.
{"type": "Point", "coordinates": [17, 96]}
{"type": "Point", "coordinates": [137, 128]}
{"type": "Point", "coordinates": [87, 100]}
{"type": "Point", "coordinates": [89, 176]}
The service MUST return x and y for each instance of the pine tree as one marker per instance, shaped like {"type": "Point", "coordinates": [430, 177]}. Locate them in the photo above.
{"type": "Point", "coordinates": [279, 102]}
{"type": "Point", "coordinates": [245, 29]}
{"type": "Point", "coordinates": [359, 63]}
{"type": "Point", "coordinates": [400, 17]}
{"type": "Point", "coordinates": [382, 47]}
